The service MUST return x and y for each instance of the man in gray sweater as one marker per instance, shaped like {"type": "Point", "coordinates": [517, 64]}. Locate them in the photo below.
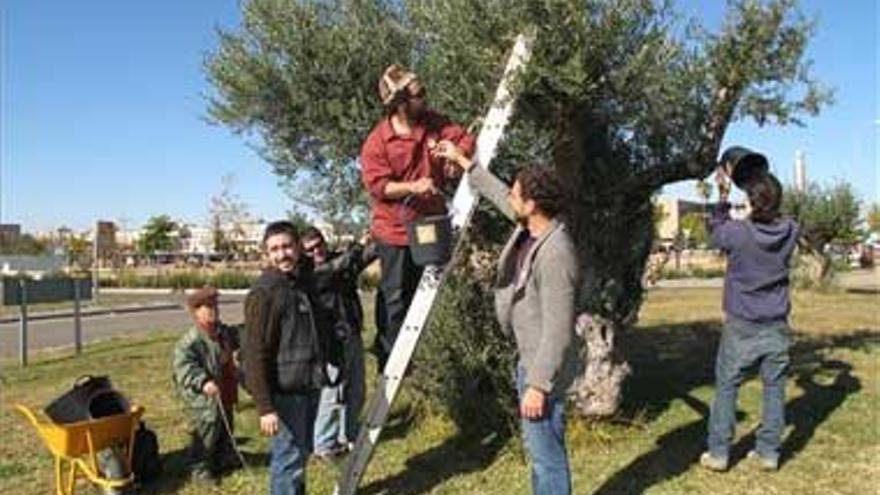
{"type": "Point", "coordinates": [535, 293]}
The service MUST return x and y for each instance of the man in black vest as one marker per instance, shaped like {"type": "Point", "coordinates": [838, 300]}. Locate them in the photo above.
{"type": "Point", "coordinates": [336, 278]}
{"type": "Point", "coordinates": [283, 360]}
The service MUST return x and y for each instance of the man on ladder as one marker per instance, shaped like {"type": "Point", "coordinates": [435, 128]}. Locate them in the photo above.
{"type": "Point", "coordinates": [404, 182]}
{"type": "Point", "coordinates": [416, 317]}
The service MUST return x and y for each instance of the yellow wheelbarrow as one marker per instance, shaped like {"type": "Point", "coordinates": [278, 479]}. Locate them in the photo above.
{"type": "Point", "coordinates": [75, 446]}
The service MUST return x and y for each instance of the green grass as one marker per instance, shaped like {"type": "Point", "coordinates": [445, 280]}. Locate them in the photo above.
{"type": "Point", "coordinates": [183, 279]}
{"type": "Point", "coordinates": [832, 444]}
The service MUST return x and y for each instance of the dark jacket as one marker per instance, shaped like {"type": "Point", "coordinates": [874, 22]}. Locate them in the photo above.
{"type": "Point", "coordinates": [281, 350]}
{"type": "Point", "coordinates": [336, 284]}
{"type": "Point", "coordinates": [197, 359]}
{"type": "Point", "coordinates": [756, 286]}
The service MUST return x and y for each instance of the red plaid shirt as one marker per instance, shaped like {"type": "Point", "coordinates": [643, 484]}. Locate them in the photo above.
{"type": "Point", "coordinates": [389, 157]}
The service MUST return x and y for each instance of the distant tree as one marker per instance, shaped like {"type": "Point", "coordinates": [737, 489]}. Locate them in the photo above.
{"type": "Point", "coordinates": [827, 215]}
{"type": "Point", "coordinates": [79, 251]}
{"type": "Point", "coordinates": [704, 190]}
{"type": "Point", "coordinates": [873, 218]}
{"type": "Point", "coordinates": [660, 257]}
{"type": "Point", "coordinates": [619, 96]}
{"type": "Point", "coordinates": [228, 215]}
{"type": "Point", "coordinates": [24, 244]}
{"type": "Point", "coordinates": [658, 216]}
{"type": "Point", "coordinates": [299, 220]}
{"type": "Point", "coordinates": [157, 235]}
{"type": "Point", "coordinates": [693, 226]}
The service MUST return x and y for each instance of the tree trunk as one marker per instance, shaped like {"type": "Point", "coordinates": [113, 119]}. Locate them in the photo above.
{"type": "Point", "coordinates": [825, 270]}
{"type": "Point", "coordinates": [597, 391]}
{"type": "Point", "coordinates": [818, 269]}
{"type": "Point", "coordinates": [613, 231]}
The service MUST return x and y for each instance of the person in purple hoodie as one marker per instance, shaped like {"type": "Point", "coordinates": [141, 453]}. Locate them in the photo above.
{"type": "Point", "coordinates": [756, 307]}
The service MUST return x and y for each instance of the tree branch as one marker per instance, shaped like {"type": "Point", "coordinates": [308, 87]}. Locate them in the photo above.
{"type": "Point", "coordinates": [701, 163]}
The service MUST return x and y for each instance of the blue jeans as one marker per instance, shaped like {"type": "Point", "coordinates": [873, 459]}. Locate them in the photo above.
{"type": "Point", "coordinates": [744, 345]}
{"type": "Point", "coordinates": [544, 439]}
{"type": "Point", "coordinates": [340, 406]}
{"type": "Point", "coordinates": [292, 444]}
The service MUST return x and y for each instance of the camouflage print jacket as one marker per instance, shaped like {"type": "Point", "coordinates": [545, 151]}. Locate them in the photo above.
{"type": "Point", "coordinates": [197, 359]}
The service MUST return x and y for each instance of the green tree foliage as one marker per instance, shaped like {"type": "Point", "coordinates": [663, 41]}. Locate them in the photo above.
{"type": "Point", "coordinates": [622, 96]}
{"type": "Point", "coordinates": [464, 355]}
{"type": "Point", "coordinates": [158, 235]}
{"type": "Point", "coordinates": [79, 251]}
{"type": "Point", "coordinates": [228, 215]}
{"type": "Point", "coordinates": [24, 244]}
{"type": "Point", "coordinates": [658, 216]}
{"type": "Point", "coordinates": [299, 220]}
{"type": "Point", "coordinates": [873, 218]}
{"type": "Point", "coordinates": [704, 189]}
{"type": "Point", "coordinates": [827, 215]}
{"type": "Point", "coordinates": [693, 226]}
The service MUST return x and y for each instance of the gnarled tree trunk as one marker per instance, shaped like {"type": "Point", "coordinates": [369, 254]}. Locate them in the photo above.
{"type": "Point", "coordinates": [597, 390]}
{"type": "Point", "coordinates": [613, 230]}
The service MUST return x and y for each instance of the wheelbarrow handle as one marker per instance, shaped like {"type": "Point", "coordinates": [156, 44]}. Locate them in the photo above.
{"type": "Point", "coordinates": [27, 413]}
{"type": "Point", "coordinates": [83, 379]}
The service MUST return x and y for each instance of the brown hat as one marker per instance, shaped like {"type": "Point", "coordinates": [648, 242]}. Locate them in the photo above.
{"type": "Point", "coordinates": [393, 81]}
{"type": "Point", "coordinates": [206, 296]}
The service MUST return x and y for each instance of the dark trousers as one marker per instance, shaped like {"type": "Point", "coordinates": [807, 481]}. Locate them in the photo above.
{"type": "Point", "coordinates": [400, 279]}
{"type": "Point", "coordinates": [210, 446]}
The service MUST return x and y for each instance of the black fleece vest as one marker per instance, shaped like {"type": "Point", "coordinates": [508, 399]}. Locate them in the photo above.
{"type": "Point", "coordinates": [299, 360]}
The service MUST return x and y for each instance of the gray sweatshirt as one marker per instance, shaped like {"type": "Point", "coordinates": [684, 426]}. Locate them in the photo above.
{"type": "Point", "coordinates": [537, 302]}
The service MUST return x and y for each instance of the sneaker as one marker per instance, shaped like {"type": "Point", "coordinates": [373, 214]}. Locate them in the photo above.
{"type": "Point", "coordinates": [713, 463]}
{"type": "Point", "coordinates": [763, 463]}
{"type": "Point", "coordinates": [332, 454]}
{"type": "Point", "coordinates": [202, 477]}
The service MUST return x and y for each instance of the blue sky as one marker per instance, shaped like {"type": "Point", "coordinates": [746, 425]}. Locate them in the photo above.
{"type": "Point", "coordinates": [101, 111]}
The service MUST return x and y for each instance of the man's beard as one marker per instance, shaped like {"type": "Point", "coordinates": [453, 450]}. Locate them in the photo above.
{"type": "Point", "coordinates": [415, 113]}
{"type": "Point", "coordinates": [286, 261]}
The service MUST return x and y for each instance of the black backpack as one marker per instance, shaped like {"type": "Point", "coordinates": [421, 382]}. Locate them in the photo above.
{"type": "Point", "coordinates": [145, 461]}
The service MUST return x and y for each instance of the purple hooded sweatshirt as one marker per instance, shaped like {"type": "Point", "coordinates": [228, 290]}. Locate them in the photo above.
{"type": "Point", "coordinates": [756, 283]}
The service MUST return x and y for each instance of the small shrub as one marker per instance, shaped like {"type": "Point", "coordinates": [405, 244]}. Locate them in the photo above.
{"type": "Point", "coordinates": [465, 364]}
{"type": "Point", "coordinates": [232, 280]}
{"type": "Point", "coordinates": [181, 280]}
{"type": "Point", "coordinates": [806, 274]}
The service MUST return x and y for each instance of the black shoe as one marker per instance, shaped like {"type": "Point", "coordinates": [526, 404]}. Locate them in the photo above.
{"type": "Point", "coordinates": [333, 454]}
{"type": "Point", "coordinates": [230, 462]}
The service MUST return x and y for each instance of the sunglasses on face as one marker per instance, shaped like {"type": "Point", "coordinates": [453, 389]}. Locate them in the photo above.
{"type": "Point", "coordinates": [309, 250]}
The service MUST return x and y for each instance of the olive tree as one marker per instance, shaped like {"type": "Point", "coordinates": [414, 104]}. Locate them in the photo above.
{"type": "Point", "coordinates": [621, 96]}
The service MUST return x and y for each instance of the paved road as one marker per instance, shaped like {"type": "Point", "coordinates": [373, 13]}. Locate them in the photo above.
{"type": "Point", "coordinates": [44, 334]}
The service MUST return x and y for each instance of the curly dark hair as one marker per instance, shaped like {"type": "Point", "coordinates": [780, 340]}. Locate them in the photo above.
{"type": "Point", "coordinates": [312, 233]}
{"type": "Point", "coordinates": [765, 197]}
{"type": "Point", "coordinates": [542, 184]}
{"type": "Point", "coordinates": [281, 227]}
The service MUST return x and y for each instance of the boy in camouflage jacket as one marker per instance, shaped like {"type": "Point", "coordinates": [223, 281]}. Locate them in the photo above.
{"type": "Point", "coordinates": [204, 374]}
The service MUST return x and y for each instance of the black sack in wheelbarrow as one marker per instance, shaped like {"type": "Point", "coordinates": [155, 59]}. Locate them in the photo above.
{"type": "Point", "coordinates": [90, 397]}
